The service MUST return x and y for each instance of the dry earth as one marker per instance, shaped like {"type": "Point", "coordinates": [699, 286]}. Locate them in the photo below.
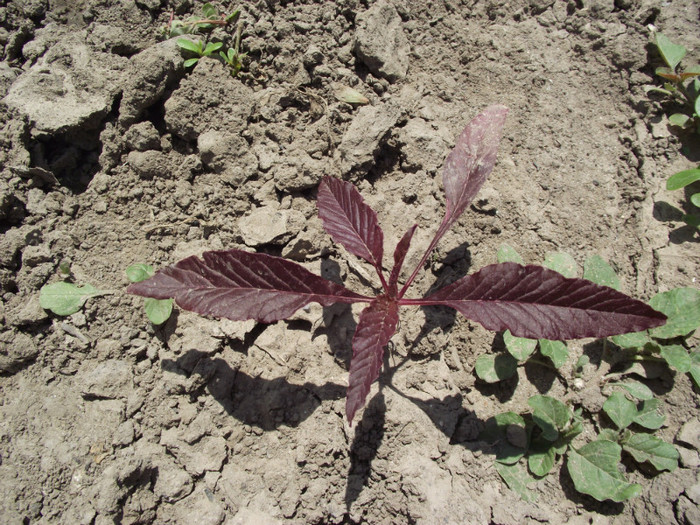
{"type": "Point", "coordinates": [113, 154]}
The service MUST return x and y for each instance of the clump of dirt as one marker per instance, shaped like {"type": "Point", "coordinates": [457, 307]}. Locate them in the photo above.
{"type": "Point", "coordinates": [112, 154]}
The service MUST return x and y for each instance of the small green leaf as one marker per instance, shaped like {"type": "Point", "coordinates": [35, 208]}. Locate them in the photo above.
{"type": "Point", "coordinates": [581, 362]}
{"type": "Point", "coordinates": [631, 340]}
{"type": "Point", "coordinates": [209, 11]}
{"type": "Point", "coordinates": [190, 62]}
{"type": "Point", "coordinates": [541, 456]}
{"type": "Point", "coordinates": [677, 357]}
{"type": "Point", "coordinates": [557, 351]}
{"type": "Point", "coordinates": [678, 119]}
{"type": "Point", "coordinates": [646, 447]}
{"type": "Point", "coordinates": [649, 416]}
{"type": "Point", "coordinates": [550, 414]}
{"type": "Point", "coordinates": [494, 368]}
{"type": "Point", "coordinates": [507, 253]}
{"type": "Point", "coordinates": [597, 270]}
{"type": "Point", "coordinates": [139, 272]}
{"type": "Point", "coordinates": [695, 367]}
{"type": "Point", "coordinates": [158, 310]}
{"type": "Point", "coordinates": [620, 410]}
{"type": "Point", "coordinates": [670, 52]}
{"type": "Point", "coordinates": [189, 45]}
{"type": "Point", "coordinates": [66, 298]}
{"type": "Point", "coordinates": [497, 431]}
{"type": "Point", "coordinates": [636, 389]}
{"type": "Point", "coordinates": [695, 199]}
{"type": "Point", "coordinates": [593, 469]}
{"type": "Point", "coordinates": [667, 73]}
{"type": "Point", "coordinates": [212, 47]}
{"type": "Point", "coordinates": [682, 179]}
{"type": "Point", "coordinates": [561, 262]}
{"type": "Point", "coordinates": [697, 106]}
{"type": "Point", "coordinates": [609, 434]}
{"type": "Point", "coordinates": [682, 307]}
{"type": "Point", "coordinates": [692, 220]}
{"type": "Point", "coordinates": [517, 480]}
{"type": "Point", "coordinates": [519, 347]}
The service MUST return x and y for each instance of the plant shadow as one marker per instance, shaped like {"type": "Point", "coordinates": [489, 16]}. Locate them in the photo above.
{"type": "Point", "coordinates": [255, 401]}
{"type": "Point", "coordinates": [369, 433]}
{"type": "Point", "coordinates": [665, 212]}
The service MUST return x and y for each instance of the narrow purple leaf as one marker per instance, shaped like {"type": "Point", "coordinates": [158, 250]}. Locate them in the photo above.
{"type": "Point", "coordinates": [538, 303]}
{"type": "Point", "coordinates": [399, 256]}
{"type": "Point", "coordinates": [376, 326]}
{"type": "Point", "coordinates": [240, 285]}
{"type": "Point", "coordinates": [349, 221]}
{"type": "Point", "coordinates": [465, 171]}
{"type": "Point", "coordinates": [471, 160]}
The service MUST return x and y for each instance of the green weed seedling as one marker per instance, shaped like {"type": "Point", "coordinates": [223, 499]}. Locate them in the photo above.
{"type": "Point", "coordinates": [545, 435]}
{"type": "Point", "coordinates": [198, 48]}
{"type": "Point", "coordinates": [157, 310]}
{"type": "Point", "coordinates": [209, 19]}
{"type": "Point", "coordinates": [233, 57]}
{"type": "Point", "coordinates": [681, 180]}
{"type": "Point", "coordinates": [682, 84]}
{"type": "Point", "coordinates": [205, 24]}
{"type": "Point", "coordinates": [541, 437]}
{"type": "Point", "coordinates": [670, 343]}
{"type": "Point", "coordinates": [66, 298]}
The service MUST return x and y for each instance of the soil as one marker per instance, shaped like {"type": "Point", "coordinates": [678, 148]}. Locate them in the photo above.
{"type": "Point", "coordinates": [113, 154]}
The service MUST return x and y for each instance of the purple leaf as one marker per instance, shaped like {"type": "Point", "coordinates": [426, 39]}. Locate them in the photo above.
{"type": "Point", "coordinates": [349, 221]}
{"type": "Point", "coordinates": [465, 171]}
{"type": "Point", "coordinates": [471, 160]}
{"type": "Point", "coordinates": [377, 324]}
{"type": "Point", "coordinates": [399, 256]}
{"type": "Point", "coordinates": [240, 285]}
{"type": "Point", "coordinates": [538, 303]}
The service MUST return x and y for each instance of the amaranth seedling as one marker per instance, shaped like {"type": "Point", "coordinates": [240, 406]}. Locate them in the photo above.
{"type": "Point", "coordinates": [530, 301]}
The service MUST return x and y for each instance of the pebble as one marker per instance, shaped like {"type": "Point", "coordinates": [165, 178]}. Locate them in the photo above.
{"type": "Point", "coordinates": [690, 433]}
{"type": "Point", "coordinates": [381, 43]}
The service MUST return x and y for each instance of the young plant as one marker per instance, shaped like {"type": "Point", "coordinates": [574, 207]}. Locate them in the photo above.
{"type": "Point", "coordinates": [669, 343]}
{"type": "Point", "coordinates": [157, 310]}
{"type": "Point", "coordinates": [676, 86]}
{"type": "Point", "coordinates": [198, 48]}
{"type": "Point", "coordinates": [66, 298]}
{"type": "Point", "coordinates": [200, 24]}
{"type": "Point", "coordinates": [233, 57]}
{"type": "Point", "coordinates": [530, 301]}
{"type": "Point", "coordinates": [681, 180]}
{"type": "Point", "coordinates": [548, 432]}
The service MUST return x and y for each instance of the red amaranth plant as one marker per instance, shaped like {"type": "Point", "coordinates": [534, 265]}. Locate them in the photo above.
{"type": "Point", "coordinates": [530, 301]}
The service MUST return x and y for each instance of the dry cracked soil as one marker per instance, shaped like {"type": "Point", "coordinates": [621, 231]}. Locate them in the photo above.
{"type": "Point", "coordinates": [112, 153]}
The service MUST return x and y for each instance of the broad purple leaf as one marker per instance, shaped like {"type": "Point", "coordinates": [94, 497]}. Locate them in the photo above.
{"type": "Point", "coordinates": [471, 161]}
{"type": "Point", "coordinates": [377, 324]}
{"type": "Point", "coordinates": [399, 256]}
{"type": "Point", "coordinates": [538, 303]}
{"type": "Point", "coordinates": [349, 221]}
{"type": "Point", "coordinates": [240, 285]}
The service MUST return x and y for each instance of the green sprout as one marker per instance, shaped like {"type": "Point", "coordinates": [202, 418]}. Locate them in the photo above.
{"type": "Point", "coordinates": [233, 56]}
{"type": "Point", "coordinates": [681, 180]}
{"type": "Point", "coordinates": [677, 86]}
{"type": "Point", "coordinates": [66, 298]}
{"type": "Point", "coordinates": [210, 19]}
{"type": "Point", "coordinates": [206, 23]}
{"type": "Point", "coordinates": [198, 48]}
